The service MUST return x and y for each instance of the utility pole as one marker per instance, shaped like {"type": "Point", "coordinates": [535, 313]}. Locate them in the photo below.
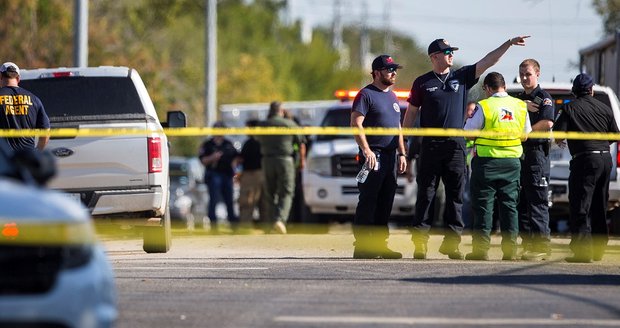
{"type": "Point", "coordinates": [337, 26]}
{"type": "Point", "coordinates": [211, 63]}
{"type": "Point", "coordinates": [364, 37]}
{"type": "Point", "coordinates": [337, 42]}
{"type": "Point", "coordinates": [80, 33]}
{"type": "Point", "coordinates": [387, 18]}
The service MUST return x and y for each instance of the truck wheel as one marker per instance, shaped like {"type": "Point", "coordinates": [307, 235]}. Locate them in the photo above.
{"type": "Point", "coordinates": [314, 223]}
{"type": "Point", "coordinates": [158, 239]}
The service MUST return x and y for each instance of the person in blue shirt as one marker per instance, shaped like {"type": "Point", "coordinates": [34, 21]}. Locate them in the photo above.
{"type": "Point", "coordinates": [20, 109]}
{"type": "Point", "coordinates": [440, 98]}
{"type": "Point", "coordinates": [219, 157]}
{"type": "Point", "coordinates": [377, 106]}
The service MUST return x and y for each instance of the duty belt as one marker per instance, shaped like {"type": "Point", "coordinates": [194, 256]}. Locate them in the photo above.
{"type": "Point", "coordinates": [587, 152]}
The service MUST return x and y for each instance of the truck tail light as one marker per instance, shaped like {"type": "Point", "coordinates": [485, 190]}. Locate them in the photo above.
{"type": "Point", "coordinates": [155, 160]}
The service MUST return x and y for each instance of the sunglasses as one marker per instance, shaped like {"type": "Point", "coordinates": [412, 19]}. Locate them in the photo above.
{"type": "Point", "coordinates": [390, 69]}
{"type": "Point", "coordinates": [448, 52]}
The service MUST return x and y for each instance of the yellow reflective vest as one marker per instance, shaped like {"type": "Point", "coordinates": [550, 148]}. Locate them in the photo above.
{"type": "Point", "coordinates": [506, 116]}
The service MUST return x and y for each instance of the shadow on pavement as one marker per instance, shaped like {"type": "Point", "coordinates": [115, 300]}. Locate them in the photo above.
{"type": "Point", "coordinates": [544, 279]}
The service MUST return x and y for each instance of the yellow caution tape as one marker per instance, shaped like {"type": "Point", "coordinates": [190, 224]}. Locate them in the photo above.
{"type": "Point", "coordinates": [193, 131]}
{"type": "Point", "coordinates": [30, 232]}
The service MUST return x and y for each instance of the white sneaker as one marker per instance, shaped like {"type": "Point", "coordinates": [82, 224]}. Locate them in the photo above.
{"type": "Point", "coordinates": [279, 227]}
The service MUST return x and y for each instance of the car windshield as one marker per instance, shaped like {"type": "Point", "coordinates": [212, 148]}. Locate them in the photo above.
{"type": "Point", "coordinates": [336, 117]}
{"type": "Point", "coordinates": [341, 117]}
{"type": "Point", "coordinates": [561, 97]}
{"type": "Point", "coordinates": [86, 98]}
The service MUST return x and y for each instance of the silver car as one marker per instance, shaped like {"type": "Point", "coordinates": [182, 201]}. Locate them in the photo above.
{"type": "Point", "coordinates": [52, 270]}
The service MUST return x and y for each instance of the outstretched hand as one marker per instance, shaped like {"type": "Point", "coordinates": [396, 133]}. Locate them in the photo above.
{"type": "Point", "coordinates": [518, 40]}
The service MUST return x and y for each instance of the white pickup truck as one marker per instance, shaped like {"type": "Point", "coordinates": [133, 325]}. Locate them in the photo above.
{"type": "Point", "coordinates": [123, 178]}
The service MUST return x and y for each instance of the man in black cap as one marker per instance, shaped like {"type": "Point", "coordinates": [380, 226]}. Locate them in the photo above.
{"type": "Point", "coordinates": [588, 182]}
{"type": "Point", "coordinates": [377, 106]}
{"type": "Point", "coordinates": [440, 96]}
{"type": "Point", "coordinates": [20, 109]}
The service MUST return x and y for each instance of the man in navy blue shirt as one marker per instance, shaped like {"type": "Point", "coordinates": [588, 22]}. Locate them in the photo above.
{"type": "Point", "coordinates": [535, 167]}
{"type": "Point", "coordinates": [376, 106]}
{"type": "Point", "coordinates": [440, 96]}
{"type": "Point", "coordinates": [219, 157]}
{"type": "Point", "coordinates": [20, 109]}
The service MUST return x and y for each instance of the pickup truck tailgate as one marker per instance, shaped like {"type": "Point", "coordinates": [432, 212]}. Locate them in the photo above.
{"type": "Point", "coordinates": [100, 162]}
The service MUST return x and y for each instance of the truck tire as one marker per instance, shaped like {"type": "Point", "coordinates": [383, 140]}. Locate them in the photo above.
{"type": "Point", "coordinates": [158, 239]}
{"type": "Point", "coordinates": [314, 223]}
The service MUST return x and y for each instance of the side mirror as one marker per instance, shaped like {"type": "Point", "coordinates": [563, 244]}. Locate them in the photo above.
{"type": "Point", "coordinates": [175, 119]}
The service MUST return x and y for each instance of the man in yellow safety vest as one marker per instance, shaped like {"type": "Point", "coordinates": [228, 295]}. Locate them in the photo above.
{"type": "Point", "coordinates": [496, 166]}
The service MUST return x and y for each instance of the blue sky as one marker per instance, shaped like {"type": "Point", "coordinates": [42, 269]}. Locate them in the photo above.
{"type": "Point", "coordinates": [558, 28]}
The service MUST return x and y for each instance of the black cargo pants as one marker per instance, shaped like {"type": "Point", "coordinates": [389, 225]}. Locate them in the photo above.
{"type": "Point", "coordinates": [440, 159]}
{"type": "Point", "coordinates": [534, 196]}
{"type": "Point", "coordinates": [376, 198]}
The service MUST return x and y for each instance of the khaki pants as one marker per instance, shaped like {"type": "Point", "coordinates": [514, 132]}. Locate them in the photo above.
{"type": "Point", "coordinates": [250, 190]}
{"type": "Point", "coordinates": [279, 187]}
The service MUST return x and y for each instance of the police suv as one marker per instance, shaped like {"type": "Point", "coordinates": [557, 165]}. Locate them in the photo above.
{"type": "Point", "coordinates": [560, 158]}
{"type": "Point", "coordinates": [119, 177]}
{"type": "Point", "coordinates": [329, 185]}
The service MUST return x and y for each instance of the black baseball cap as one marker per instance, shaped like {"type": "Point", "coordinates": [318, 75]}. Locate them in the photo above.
{"type": "Point", "coordinates": [383, 62]}
{"type": "Point", "coordinates": [582, 84]}
{"type": "Point", "coordinates": [440, 45]}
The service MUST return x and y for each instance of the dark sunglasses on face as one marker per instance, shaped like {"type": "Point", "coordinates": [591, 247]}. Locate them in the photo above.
{"type": "Point", "coordinates": [448, 52]}
{"type": "Point", "coordinates": [390, 69]}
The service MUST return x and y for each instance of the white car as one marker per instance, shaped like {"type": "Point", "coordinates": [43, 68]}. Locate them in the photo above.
{"type": "Point", "coordinates": [53, 273]}
{"type": "Point", "coordinates": [560, 158]}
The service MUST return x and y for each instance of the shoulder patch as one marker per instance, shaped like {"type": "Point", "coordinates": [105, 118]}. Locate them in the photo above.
{"type": "Point", "coordinates": [547, 102]}
{"type": "Point", "coordinates": [396, 107]}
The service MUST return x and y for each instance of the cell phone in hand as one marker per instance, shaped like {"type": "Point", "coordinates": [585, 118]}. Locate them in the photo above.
{"type": "Point", "coordinates": [538, 100]}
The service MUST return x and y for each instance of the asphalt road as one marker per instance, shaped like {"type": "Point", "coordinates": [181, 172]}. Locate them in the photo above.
{"type": "Point", "coordinates": [311, 281]}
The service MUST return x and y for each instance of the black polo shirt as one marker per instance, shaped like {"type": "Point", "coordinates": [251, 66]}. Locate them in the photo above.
{"type": "Point", "coordinates": [224, 165]}
{"type": "Point", "coordinates": [380, 110]}
{"type": "Point", "coordinates": [545, 110]}
{"type": "Point", "coordinates": [442, 105]}
{"type": "Point", "coordinates": [250, 152]}
{"type": "Point", "coordinates": [586, 114]}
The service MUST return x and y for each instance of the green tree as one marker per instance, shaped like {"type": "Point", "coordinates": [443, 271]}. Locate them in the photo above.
{"type": "Point", "coordinates": [35, 33]}
{"type": "Point", "coordinates": [260, 58]}
{"type": "Point", "coordinates": [610, 11]}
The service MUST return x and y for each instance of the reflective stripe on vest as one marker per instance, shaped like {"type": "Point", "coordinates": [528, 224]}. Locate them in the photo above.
{"type": "Point", "coordinates": [504, 115]}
